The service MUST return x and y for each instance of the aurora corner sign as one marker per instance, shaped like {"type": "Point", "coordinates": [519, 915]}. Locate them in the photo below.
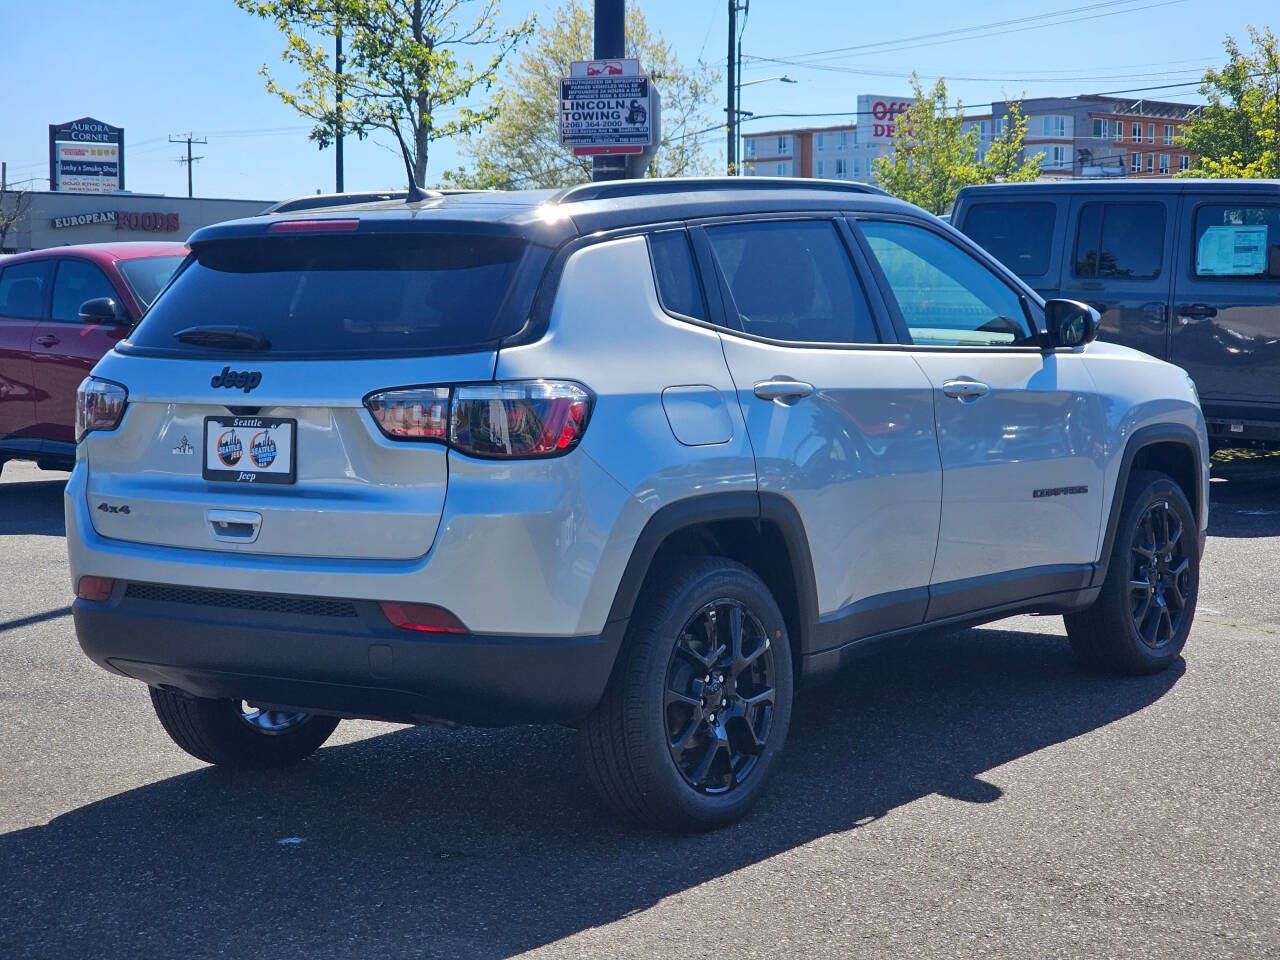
{"type": "Point", "coordinates": [86, 156]}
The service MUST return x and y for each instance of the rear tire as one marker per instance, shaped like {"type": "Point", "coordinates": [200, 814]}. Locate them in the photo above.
{"type": "Point", "coordinates": [222, 732]}
{"type": "Point", "coordinates": [692, 720]}
{"type": "Point", "coordinates": [1141, 619]}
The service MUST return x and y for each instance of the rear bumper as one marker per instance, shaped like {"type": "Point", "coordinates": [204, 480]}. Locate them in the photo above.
{"type": "Point", "coordinates": [340, 657]}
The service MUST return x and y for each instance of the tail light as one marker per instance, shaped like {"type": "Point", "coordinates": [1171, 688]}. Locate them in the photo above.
{"type": "Point", "coordinates": [520, 419]}
{"type": "Point", "coordinates": [99, 406]}
{"type": "Point", "coordinates": [95, 588]}
{"type": "Point", "coordinates": [423, 617]}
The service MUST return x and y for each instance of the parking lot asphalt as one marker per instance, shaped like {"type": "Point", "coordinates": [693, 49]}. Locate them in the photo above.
{"type": "Point", "coordinates": [970, 793]}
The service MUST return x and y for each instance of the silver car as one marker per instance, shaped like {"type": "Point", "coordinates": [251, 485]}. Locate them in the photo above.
{"type": "Point", "coordinates": [637, 457]}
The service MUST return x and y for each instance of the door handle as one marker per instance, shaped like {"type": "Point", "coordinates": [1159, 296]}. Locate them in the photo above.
{"type": "Point", "coordinates": [1197, 310]}
{"type": "Point", "coordinates": [965, 390]}
{"type": "Point", "coordinates": [780, 388]}
{"type": "Point", "coordinates": [48, 340]}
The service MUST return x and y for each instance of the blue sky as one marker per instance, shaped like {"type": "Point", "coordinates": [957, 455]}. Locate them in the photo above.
{"type": "Point", "coordinates": [160, 67]}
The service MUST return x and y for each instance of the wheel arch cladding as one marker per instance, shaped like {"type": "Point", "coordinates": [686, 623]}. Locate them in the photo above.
{"type": "Point", "coordinates": [1170, 448]}
{"type": "Point", "coordinates": [763, 532]}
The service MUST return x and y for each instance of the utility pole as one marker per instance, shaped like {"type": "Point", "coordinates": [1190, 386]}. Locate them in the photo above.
{"type": "Point", "coordinates": [731, 95]}
{"type": "Point", "coordinates": [189, 160]}
{"type": "Point", "coordinates": [610, 43]}
{"type": "Point", "coordinates": [337, 93]}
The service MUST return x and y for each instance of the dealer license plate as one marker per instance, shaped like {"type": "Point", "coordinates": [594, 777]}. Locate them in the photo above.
{"type": "Point", "coordinates": [250, 449]}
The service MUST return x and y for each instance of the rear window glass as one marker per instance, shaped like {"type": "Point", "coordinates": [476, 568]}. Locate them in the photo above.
{"type": "Point", "coordinates": [1019, 235]}
{"type": "Point", "coordinates": [1121, 240]}
{"type": "Point", "coordinates": [147, 276]}
{"type": "Point", "coordinates": [1238, 240]}
{"type": "Point", "coordinates": [343, 295]}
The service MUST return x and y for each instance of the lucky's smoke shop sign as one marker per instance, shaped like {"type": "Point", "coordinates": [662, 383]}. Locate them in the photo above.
{"type": "Point", "coordinates": [606, 108]}
{"type": "Point", "coordinates": [150, 221]}
{"type": "Point", "coordinates": [86, 156]}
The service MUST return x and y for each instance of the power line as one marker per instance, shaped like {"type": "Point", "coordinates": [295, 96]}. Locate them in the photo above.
{"type": "Point", "coordinates": [909, 43]}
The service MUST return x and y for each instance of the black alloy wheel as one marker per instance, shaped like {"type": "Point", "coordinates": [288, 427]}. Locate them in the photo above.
{"type": "Point", "coordinates": [1161, 570]}
{"type": "Point", "coordinates": [719, 696]}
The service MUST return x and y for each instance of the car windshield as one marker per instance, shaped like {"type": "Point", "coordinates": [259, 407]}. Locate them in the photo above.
{"type": "Point", "coordinates": [147, 276]}
{"type": "Point", "coordinates": [311, 296]}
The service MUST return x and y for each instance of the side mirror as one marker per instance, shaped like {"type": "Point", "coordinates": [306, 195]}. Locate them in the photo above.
{"type": "Point", "coordinates": [102, 311]}
{"type": "Point", "coordinates": [1071, 323]}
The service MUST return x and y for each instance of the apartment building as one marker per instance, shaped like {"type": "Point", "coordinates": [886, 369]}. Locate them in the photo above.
{"type": "Point", "coordinates": [1083, 136]}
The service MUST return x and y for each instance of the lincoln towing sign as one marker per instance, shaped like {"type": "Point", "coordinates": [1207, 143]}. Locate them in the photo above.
{"type": "Point", "coordinates": [607, 107]}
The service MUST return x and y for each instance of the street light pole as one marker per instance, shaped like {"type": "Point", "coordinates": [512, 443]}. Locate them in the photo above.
{"type": "Point", "coordinates": [739, 113]}
{"type": "Point", "coordinates": [610, 43]}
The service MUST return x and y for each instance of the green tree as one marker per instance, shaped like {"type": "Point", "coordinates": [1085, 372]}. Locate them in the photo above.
{"type": "Point", "coordinates": [521, 148]}
{"type": "Point", "coordinates": [934, 156]}
{"type": "Point", "coordinates": [403, 65]}
{"type": "Point", "coordinates": [1237, 134]}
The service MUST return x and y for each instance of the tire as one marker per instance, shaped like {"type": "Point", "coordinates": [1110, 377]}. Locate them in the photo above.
{"type": "Point", "coordinates": [1106, 636]}
{"type": "Point", "coordinates": [222, 733]}
{"type": "Point", "coordinates": [630, 744]}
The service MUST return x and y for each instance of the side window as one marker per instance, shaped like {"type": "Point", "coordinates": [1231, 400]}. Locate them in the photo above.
{"type": "Point", "coordinates": [22, 289]}
{"type": "Point", "coordinates": [76, 282]}
{"type": "Point", "coordinates": [1019, 235]}
{"type": "Point", "coordinates": [677, 278]}
{"type": "Point", "coordinates": [793, 280]}
{"type": "Point", "coordinates": [1124, 240]}
{"type": "Point", "coordinates": [947, 296]}
{"type": "Point", "coordinates": [1237, 241]}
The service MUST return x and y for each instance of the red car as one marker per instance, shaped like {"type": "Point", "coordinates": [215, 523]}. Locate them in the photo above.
{"type": "Point", "coordinates": [61, 309]}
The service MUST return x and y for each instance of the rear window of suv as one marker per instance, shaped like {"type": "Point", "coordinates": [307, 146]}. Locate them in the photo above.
{"type": "Point", "coordinates": [345, 295]}
{"type": "Point", "coordinates": [1019, 235]}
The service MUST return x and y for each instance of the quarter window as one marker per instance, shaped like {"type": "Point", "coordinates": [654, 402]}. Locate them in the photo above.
{"type": "Point", "coordinates": [946, 296]}
{"type": "Point", "coordinates": [1123, 240]}
{"type": "Point", "coordinates": [1238, 241]}
{"type": "Point", "coordinates": [76, 282]}
{"type": "Point", "coordinates": [23, 287]}
{"type": "Point", "coordinates": [677, 278]}
{"type": "Point", "coordinates": [793, 281]}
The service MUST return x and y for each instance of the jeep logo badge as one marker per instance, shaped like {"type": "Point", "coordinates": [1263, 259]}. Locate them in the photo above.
{"type": "Point", "coordinates": [246, 380]}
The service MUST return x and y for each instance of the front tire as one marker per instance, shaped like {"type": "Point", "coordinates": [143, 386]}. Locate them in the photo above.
{"type": "Point", "coordinates": [230, 734]}
{"type": "Point", "coordinates": [699, 703]}
{"type": "Point", "coordinates": [1142, 617]}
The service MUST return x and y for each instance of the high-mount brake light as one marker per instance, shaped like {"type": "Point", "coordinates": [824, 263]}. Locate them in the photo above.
{"type": "Point", "coordinates": [509, 420]}
{"type": "Point", "coordinates": [314, 226]}
{"type": "Point", "coordinates": [99, 405]}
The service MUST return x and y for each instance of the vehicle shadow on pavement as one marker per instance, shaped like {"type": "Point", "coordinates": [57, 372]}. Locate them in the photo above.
{"type": "Point", "coordinates": [1244, 499]}
{"type": "Point", "coordinates": [32, 507]}
{"type": "Point", "coordinates": [478, 843]}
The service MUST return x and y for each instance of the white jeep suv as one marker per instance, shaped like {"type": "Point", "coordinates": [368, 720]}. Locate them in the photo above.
{"type": "Point", "coordinates": [637, 457]}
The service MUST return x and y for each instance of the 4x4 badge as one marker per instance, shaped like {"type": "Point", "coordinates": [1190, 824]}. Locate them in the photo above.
{"type": "Point", "coordinates": [246, 380]}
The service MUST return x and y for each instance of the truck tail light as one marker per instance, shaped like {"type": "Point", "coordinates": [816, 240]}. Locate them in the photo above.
{"type": "Point", "coordinates": [99, 406]}
{"type": "Point", "coordinates": [509, 420]}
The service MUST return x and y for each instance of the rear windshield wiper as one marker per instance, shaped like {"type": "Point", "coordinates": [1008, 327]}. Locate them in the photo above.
{"type": "Point", "coordinates": [212, 335]}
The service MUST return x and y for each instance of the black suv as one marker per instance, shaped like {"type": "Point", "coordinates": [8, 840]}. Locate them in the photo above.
{"type": "Point", "coordinates": [1185, 270]}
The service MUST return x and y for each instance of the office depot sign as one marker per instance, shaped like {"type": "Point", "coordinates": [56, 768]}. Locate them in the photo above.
{"type": "Point", "coordinates": [878, 115]}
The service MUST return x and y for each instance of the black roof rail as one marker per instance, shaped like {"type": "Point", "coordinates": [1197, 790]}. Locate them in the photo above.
{"type": "Point", "coordinates": [658, 186]}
